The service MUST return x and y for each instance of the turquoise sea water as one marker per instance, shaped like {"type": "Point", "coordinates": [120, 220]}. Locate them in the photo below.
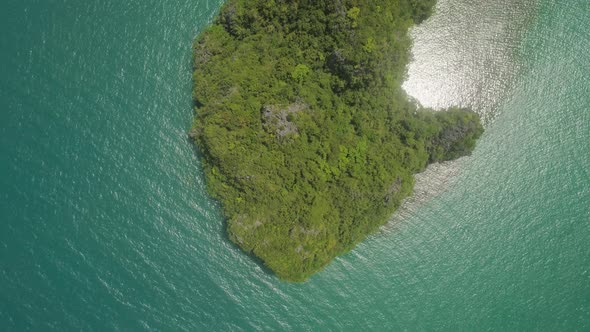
{"type": "Point", "coordinates": [106, 224]}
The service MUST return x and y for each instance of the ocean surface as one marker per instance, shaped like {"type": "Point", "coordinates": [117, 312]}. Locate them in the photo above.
{"type": "Point", "coordinates": [106, 223]}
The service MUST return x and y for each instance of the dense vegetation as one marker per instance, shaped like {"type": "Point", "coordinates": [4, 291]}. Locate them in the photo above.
{"type": "Point", "coordinates": [307, 138]}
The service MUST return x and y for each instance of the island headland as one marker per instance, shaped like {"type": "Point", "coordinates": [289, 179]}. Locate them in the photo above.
{"type": "Point", "coordinates": [307, 139]}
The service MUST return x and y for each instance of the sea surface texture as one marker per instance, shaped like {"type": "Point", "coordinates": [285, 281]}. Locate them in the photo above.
{"type": "Point", "coordinates": [106, 223]}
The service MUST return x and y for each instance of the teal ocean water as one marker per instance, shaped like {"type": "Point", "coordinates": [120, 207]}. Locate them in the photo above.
{"type": "Point", "coordinates": [106, 224]}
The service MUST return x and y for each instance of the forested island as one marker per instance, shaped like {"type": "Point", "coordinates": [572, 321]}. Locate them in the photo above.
{"type": "Point", "coordinates": [307, 138]}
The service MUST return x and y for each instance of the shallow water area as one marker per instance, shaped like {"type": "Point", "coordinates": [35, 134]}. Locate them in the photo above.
{"type": "Point", "coordinates": [467, 54]}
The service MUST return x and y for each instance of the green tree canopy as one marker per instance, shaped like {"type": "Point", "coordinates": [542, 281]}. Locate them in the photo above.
{"type": "Point", "coordinates": [308, 140]}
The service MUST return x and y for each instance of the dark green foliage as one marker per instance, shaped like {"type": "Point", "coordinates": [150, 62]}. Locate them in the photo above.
{"type": "Point", "coordinates": [421, 9]}
{"type": "Point", "coordinates": [307, 138]}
